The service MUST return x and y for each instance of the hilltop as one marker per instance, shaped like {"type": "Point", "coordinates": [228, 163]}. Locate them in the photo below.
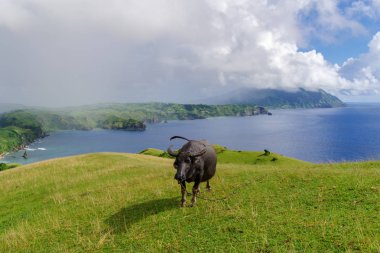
{"type": "Point", "coordinates": [109, 202]}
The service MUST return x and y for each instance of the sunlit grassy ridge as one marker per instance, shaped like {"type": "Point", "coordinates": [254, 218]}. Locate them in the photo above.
{"type": "Point", "coordinates": [130, 202]}
{"type": "Point", "coordinates": [226, 155]}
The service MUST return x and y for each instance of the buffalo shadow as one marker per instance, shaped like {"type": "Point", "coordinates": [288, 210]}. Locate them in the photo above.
{"type": "Point", "coordinates": [127, 216]}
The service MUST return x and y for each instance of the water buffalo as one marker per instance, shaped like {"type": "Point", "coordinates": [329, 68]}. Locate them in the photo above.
{"type": "Point", "coordinates": [194, 162]}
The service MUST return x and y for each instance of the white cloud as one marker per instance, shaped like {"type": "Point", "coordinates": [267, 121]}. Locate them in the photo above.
{"type": "Point", "coordinates": [368, 8]}
{"type": "Point", "coordinates": [12, 15]}
{"type": "Point", "coordinates": [364, 71]}
{"type": "Point", "coordinates": [83, 51]}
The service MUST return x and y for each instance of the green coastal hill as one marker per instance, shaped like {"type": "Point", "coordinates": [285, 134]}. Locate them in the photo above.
{"type": "Point", "coordinates": [274, 98]}
{"type": "Point", "coordinates": [118, 202]}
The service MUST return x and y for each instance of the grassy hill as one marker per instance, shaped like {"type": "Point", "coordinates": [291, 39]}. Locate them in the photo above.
{"type": "Point", "coordinates": [113, 202]}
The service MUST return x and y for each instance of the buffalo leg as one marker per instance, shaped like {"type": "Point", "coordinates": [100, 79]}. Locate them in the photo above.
{"type": "Point", "coordinates": [183, 191]}
{"type": "Point", "coordinates": [208, 187]}
{"type": "Point", "coordinates": [195, 192]}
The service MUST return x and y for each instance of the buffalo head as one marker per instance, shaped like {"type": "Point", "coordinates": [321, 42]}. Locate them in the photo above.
{"type": "Point", "coordinates": [186, 158]}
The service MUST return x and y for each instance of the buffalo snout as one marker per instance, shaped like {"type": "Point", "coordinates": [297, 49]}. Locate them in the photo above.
{"type": "Point", "coordinates": [179, 176]}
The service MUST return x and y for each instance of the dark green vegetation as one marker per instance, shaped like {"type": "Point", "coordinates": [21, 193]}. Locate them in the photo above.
{"type": "Point", "coordinates": [117, 123]}
{"type": "Point", "coordinates": [20, 127]}
{"type": "Point", "coordinates": [7, 166]}
{"type": "Point", "coordinates": [281, 99]}
{"type": "Point", "coordinates": [112, 202]}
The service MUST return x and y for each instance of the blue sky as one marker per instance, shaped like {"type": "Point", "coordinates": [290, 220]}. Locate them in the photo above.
{"type": "Point", "coordinates": [69, 52]}
{"type": "Point", "coordinates": [347, 44]}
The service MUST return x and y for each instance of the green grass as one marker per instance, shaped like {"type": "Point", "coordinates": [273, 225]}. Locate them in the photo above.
{"type": "Point", "coordinates": [110, 202]}
{"type": "Point", "coordinates": [155, 152]}
{"type": "Point", "coordinates": [226, 155]}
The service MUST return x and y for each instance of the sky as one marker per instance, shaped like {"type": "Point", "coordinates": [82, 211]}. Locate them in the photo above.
{"type": "Point", "coordinates": [73, 52]}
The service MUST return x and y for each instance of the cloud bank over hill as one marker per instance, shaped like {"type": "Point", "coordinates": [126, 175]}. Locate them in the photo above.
{"type": "Point", "coordinates": [364, 71]}
{"type": "Point", "coordinates": [61, 52]}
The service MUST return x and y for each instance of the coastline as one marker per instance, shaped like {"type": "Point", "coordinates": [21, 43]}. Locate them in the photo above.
{"type": "Point", "coordinates": [22, 146]}
{"type": "Point", "coordinates": [2, 155]}
{"type": "Point", "coordinates": [252, 132]}
{"type": "Point", "coordinates": [309, 135]}
{"type": "Point", "coordinates": [41, 134]}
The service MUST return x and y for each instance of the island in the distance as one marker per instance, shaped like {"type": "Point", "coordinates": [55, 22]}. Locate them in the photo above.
{"type": "Point", "coordinates": [274, 98]}
{"type": "Point", "coordinates": [21, 127]}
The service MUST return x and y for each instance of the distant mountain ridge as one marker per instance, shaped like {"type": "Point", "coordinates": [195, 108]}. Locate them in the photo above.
{"type": "Point", "coordinates": [274, 98]}
{"type": "Point", "coordinates": [7, 107]}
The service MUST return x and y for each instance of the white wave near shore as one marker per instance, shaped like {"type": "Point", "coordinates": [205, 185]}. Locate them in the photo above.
{"type": "Point", "coordinates": [34, 149]}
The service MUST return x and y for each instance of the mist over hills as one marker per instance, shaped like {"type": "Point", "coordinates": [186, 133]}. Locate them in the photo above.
{"type": "Point", "coordinates": [6, 107]}
{"type": "Point", "coordinates": [274, 98]}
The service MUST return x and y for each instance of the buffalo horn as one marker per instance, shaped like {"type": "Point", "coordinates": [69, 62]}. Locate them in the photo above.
{"type": "Point", "coordinates": [179, 137]}
{"type": "Point", "coordinates": [171, 152]}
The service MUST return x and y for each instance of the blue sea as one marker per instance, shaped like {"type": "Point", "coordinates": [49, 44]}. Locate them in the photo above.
{"type": "Point", "coordinates": [350, 133]}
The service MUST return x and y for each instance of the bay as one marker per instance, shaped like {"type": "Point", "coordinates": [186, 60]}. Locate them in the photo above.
{"type": "Point", "coordinates": [350, 133]}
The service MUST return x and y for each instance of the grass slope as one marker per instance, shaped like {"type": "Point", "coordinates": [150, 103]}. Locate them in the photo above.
{"type": "Point", "coordinates": [129, 202]}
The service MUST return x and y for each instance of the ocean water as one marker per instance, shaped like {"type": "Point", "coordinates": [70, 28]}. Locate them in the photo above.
{"type": "Point", "coordinates": [351, 133]}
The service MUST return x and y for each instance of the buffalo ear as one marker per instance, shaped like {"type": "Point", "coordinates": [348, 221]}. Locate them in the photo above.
{"type": "Point", "coordinates": [198, 153]}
